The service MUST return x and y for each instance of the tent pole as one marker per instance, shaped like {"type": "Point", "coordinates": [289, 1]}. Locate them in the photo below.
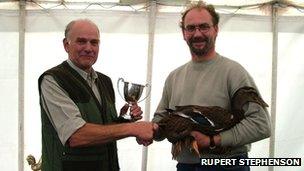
{"type": "Point", "coordinates": [152, 18]}
{"type": "Point", "coordinates": [274, 79]}
{"type": "Point", "coordinates": [22, 11]}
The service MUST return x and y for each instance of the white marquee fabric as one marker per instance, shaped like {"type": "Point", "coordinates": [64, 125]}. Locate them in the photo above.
{"type": "Point", "coordinates": [124, 52]}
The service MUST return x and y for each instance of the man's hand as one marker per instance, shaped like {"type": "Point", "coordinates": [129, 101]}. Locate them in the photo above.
{"type": "Point", "coordinates": [124, 109]}
{"type": "Point", "coordinates": [147, 142]}
{"type": "Point", "coordinates": [135, 111]}
{"type": "Point", "coordinates": [203, 141]}
{"type": "Point", "coordinates": [144, 142]}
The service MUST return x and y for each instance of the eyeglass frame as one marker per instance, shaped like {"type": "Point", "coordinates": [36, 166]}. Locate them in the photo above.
{"type": "Point", "coordinates": [203, 28]}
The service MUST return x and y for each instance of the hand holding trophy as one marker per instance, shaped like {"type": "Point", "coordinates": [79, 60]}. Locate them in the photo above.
{"type": "Point", "coordinates": [131, 94]}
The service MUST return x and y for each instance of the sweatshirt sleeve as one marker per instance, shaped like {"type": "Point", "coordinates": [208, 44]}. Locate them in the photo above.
{"type": "Point", "coordinates": [254, 127]}
{"type": "Point", "coordinates": [158, 115]}
{"type": "Point", "coordinates": [256, 124]}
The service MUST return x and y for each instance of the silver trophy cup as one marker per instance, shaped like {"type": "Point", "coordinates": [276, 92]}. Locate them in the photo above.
{"type": "Point", "coordinates": [131, 92]}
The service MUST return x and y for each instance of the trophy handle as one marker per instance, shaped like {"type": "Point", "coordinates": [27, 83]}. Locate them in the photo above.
{"type": "Point", "coordinates": [148, 93]}
{"type": "Point", "coordinates": [118, 82]}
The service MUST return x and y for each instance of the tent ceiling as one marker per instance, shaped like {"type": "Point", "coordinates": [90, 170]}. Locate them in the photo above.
{"type": "Point", "coordinates": [252, 7]}
{"type": "Point", "coordinates": [215, 2]}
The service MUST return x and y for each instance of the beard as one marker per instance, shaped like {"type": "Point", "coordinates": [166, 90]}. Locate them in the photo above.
{"type": "Point", "coordinates": [201, 52]}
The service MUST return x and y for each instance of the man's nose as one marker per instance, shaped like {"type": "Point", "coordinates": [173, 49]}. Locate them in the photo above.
{"type": "Point", "coordinates": [88, 46]}
{"type": "Point", "coordinates": [197, 32]}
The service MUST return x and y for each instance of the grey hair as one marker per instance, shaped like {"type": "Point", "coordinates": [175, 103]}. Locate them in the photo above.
{"type": "Point", "coordinates": [71, 24]}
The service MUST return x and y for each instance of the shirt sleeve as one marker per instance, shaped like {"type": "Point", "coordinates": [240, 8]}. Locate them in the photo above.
{"type": "Point", "coordinates": [159, 114]}
{"type": "Point", "coordinates": [163, 104]}
{"type": "Point", "coordinates": [256, 124]}
{"type": "Point", "coordinates": [60, 109]}
{"type": "Point", "coordinates": [254, 127]}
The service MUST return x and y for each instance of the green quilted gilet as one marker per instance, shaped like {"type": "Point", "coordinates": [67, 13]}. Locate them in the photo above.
{"type": "Point", "coordinates": [58, 157]}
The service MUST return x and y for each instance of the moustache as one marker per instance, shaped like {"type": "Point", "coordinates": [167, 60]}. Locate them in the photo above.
{"type": "Point", "coordinates": [198, 39]}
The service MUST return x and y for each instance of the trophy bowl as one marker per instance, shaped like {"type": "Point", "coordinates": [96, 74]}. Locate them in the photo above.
{"type": "Point", "coordinates": [132, 92]}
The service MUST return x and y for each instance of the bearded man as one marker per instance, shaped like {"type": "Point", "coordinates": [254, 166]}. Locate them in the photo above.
{"type": "Point", "coordinates": [210, 79]}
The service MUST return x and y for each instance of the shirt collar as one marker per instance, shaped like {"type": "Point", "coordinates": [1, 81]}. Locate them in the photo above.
{"type": "Point", "coordinates": [202, 64]}
{"type": "Point", "coordinates": [81, 72]}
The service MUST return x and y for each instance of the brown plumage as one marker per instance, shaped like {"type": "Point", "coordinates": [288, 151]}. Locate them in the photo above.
{"type": "Point", "coordinates": [176, 125]}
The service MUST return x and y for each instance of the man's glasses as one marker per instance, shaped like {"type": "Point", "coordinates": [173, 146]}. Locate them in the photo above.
{"type": "Point", "coordinates": [203, 28]}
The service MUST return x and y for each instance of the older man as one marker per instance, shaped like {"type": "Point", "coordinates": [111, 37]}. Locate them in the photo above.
{"type": "Point", "coordinates": [80, 125]}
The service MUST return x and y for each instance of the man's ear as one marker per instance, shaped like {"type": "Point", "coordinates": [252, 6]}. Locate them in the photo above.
{"type": "Point", "coordinates": [216, 28]}
{"type": "Point", "coordinates": [183, 31]}
{"type": "Point", "coordinates": [65, 44]}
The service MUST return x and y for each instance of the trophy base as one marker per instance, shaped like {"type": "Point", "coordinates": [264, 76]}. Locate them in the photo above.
{"type": "Point", "coordinates": [125, 118]}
